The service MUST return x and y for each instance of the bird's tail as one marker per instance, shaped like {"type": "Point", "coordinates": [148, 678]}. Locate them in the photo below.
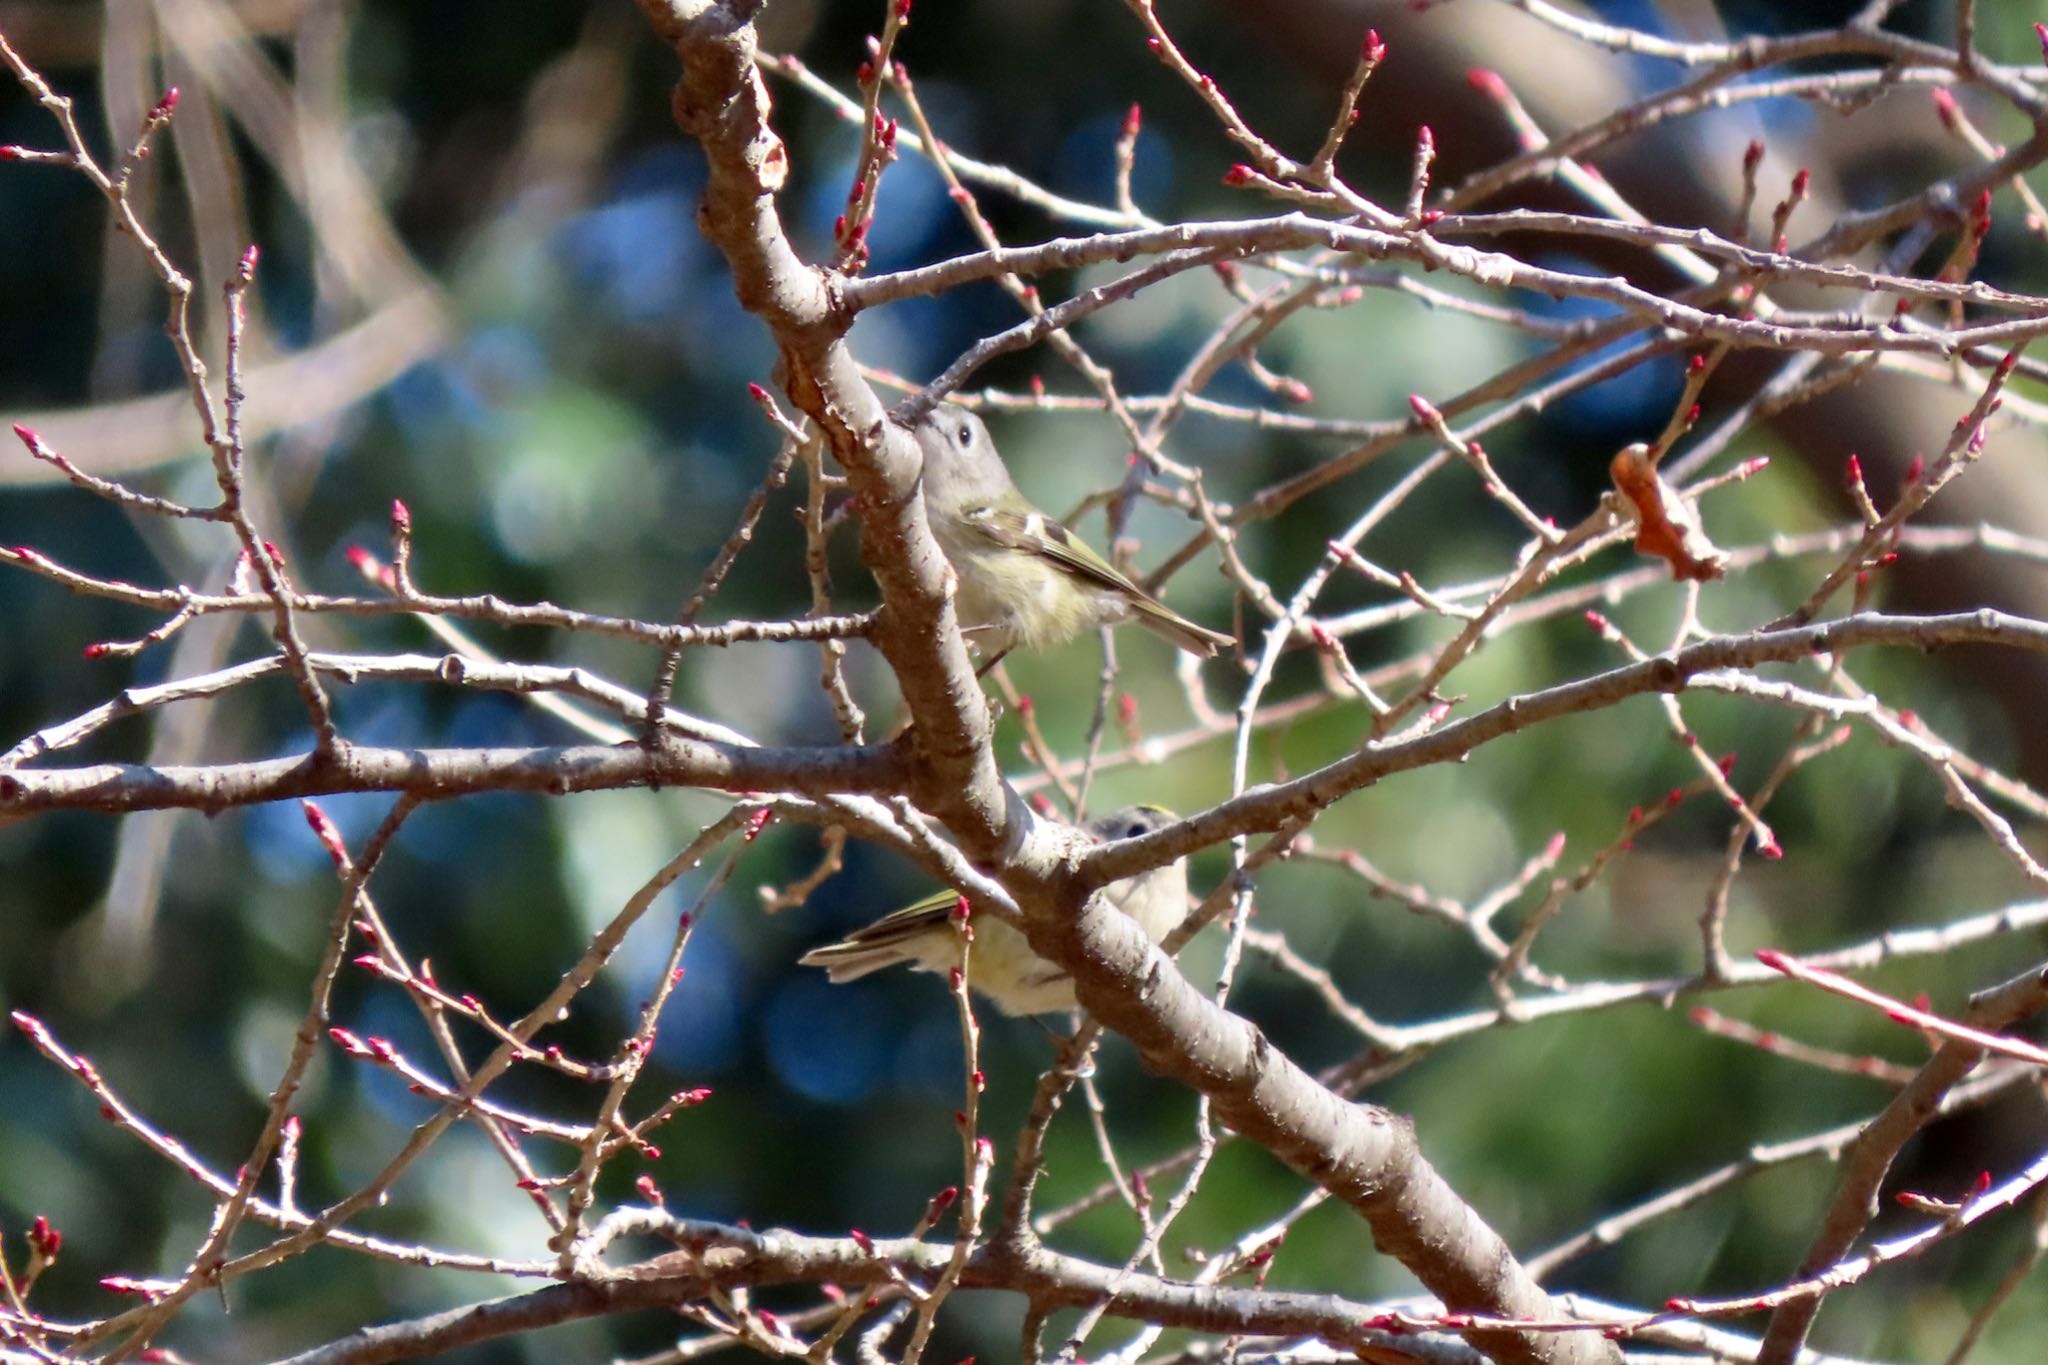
{"type": "Point", "coordinates": [1162, 620]}
{"type": "Point", "coordinates": [852, 961]}
{"type": "Point", "coordinates": [883, 943]}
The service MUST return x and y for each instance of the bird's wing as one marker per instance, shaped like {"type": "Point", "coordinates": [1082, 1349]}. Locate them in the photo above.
{"type": "Point", "coordinates": [898, 924]}
{"type": "Point", "coordinates": [1038, 533]}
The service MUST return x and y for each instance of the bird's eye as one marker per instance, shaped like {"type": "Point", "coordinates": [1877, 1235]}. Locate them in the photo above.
{"type": "Point", "coordinates": [966, 434]}
{"type": "Point", "coordinates": [1135, 828]}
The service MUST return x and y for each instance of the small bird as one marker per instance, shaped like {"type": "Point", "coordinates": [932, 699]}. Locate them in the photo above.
{"type": "Point", "coordinates": [1025, 580]}
{"type": "Point", "coordinates": [1000, 964]}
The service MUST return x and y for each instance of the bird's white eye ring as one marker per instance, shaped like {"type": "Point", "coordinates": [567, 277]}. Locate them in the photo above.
{"type": "Point", "coordinates": [966, 435]}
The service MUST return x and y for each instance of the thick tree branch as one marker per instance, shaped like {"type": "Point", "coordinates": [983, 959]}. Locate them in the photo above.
{"type": "Point", "coordinates": [1293, 231]}
{"type": "Point", "coordinates": [436, 774]}
{"type": "Point", "coordinates": [723, 102]}
{"type": "Point", "coordinates": [719, 1256]}
{"type": "Point", "coordinates": [1365, 1155]}
{"type": "Point", "coordinates": [1265, 809]}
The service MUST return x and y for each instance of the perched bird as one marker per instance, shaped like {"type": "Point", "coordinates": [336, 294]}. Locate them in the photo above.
{"type": "Point", "coordinates": [1000, 964]}
{"type": "Point", "coordinates": [1024, 578]}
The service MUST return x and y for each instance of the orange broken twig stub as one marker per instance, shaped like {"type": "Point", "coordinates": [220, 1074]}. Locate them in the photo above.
{"type": "Point", "coordinates": [1667, 526]}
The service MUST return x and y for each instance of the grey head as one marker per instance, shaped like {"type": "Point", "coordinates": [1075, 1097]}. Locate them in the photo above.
{"type": "Point", "coordinates": [1128, 822]}
{"type": "Point", "coordinates": [961, 466]}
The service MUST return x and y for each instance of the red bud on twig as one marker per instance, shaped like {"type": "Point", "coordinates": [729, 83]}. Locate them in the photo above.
{"type": "Point", "coordinates": [1945, 107]}
{"type": "Point", "coordinates": [326, 833]}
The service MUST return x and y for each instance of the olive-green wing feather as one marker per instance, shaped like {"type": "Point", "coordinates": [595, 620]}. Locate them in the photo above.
{"type": "Point", "coordinates": [875, 946]}
{"type": "Point", "coordinates": [912, 918]}
{"type": "Point", "coordinates": [1036, 533]}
